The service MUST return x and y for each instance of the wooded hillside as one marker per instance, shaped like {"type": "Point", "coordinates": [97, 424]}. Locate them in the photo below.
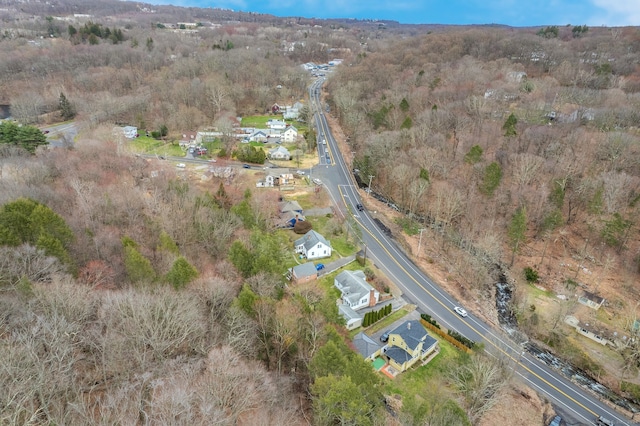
{"type": "Point", "coordinates": [129, 290]}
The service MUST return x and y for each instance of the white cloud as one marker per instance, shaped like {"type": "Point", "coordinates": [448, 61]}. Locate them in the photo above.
{"type": "Point", "coordinates": [616, 13]}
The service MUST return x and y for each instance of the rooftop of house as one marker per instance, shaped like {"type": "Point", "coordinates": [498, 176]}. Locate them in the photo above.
{"type": "Point", "coordinates": [412, 332]}
{"type": "Point", "coordinates": [290, 206]}
{"type": "Point", "coordinates": [353, 285]}
{"type": "Point", "coordinates": [364, 344]}
{"type": "Point", "coordinates": [305, 270]}
{"type": "Point", "coordinates": [310, 239]}
{"type": "Point", "coordinates": [593, 297]}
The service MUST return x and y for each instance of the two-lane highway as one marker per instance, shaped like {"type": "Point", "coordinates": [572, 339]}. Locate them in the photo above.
{"type": "Point", "coordinates": [574, 401]}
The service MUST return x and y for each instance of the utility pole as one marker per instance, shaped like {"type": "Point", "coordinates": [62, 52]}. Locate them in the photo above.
{"type": "Point", "coordinates": [370, 178]}
{"type": "Point", "coordinates": [420, 240]}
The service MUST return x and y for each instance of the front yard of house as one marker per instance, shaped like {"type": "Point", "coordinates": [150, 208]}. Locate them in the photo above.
{"type": "Point", "coordinates": [148, 145]}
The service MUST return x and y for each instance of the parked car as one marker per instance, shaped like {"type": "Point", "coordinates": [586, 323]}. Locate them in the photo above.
{"type": "Point", "coordinates": [385, 337]}
{"type": "Point", "coordinates": [181, 165]}
{"type": "Point", "coordinates": [460, 311]}
{"type": "Point", "coordinates": [300, 172]}
{"type": "Point", "coordinates": [557, 420]}
{"type": "Point", "coordinates": [319, 266]}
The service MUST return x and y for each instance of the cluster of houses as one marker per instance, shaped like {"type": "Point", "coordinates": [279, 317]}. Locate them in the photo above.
{"type": "Point", "coordinates": [408, 344]}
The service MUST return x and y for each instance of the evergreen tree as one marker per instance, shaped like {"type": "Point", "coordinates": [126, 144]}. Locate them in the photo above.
{"type": "Point", "coordinates": [241, 258]}
{"type": "Point", "coordinates": [492, 178]}
{"type": "Point", "coordinates": [138, 267]}
{"type": "Point", "coordinates": [67, 111]}
{"type": "Point", "coordinates": [517, 231]}
{"type": "Point", "coordinates": [27, 221]}
{"type": "Point", "coordinates": [509, 126]}
{"type": "Point", "coordinates": [181, 273]}
{"type": "Point", "coordinates": [26, 137]}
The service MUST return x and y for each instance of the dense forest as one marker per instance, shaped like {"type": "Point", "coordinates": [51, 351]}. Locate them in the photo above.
{"type": "Point", "coordinates": [130, 294]}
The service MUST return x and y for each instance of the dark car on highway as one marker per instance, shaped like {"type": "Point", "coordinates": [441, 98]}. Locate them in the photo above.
{"type": "Point", "coordinates": [360, 207]}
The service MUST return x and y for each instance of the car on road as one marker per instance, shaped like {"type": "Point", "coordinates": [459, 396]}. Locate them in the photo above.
{"type": "Point", "coordinates": [300, 172]}
{"type": "Point", "coordinates": [246, 166]}
{"type": "Point", "coordinates": [460, 311]}
{"type": "Point", "coordinates": [602, 421]}
{"type": "Point", "coordinates": [360, 207]}
{"type": "Point", "coordinates": [557, 421]}
{"type": "Point", "coordinates": [319, 266]}
{"type": "Point", "coordinates": [385, 337]}
{"type": "Point", "coordinates": [181, 165]}
{"type": "Point", "coordinates": [317, 181]}
{"type": "Point", "coordinates": [45, 131]}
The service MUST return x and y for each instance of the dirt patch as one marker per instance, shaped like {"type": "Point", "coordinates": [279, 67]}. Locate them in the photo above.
{"type": "Point", "coordinates": [531, 409]}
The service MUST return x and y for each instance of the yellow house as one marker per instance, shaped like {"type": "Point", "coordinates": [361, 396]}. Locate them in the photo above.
{"type": "Point", "coordinates": [408, 344]}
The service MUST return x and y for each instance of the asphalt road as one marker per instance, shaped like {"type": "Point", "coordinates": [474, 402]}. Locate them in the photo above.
{"type": "Point", "coordinates": [576, 404]}
{"type": "Point", "coordinates": [61, 135]}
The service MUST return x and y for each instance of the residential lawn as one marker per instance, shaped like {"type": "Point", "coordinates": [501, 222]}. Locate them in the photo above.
{"type": "Point", "coordinates": [143, 144]}
{"type": "Point", "coordinates": [260, 122]}
{"type": "Point", "coordinates": [168, 149]}
{"type": "Point", "coordinates": [149, 145]}
{"type": "Point", "coordinates": [326, 282]}
{"type": "Point", "coordinates": [307, 201]}
{"type": "Point", "coordinates": [536, 292]}
{"type": "Point", "coordinates": [342, 246]}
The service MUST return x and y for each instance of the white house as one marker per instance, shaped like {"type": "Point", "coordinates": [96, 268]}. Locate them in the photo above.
{"type": "Point", "coordinates": [277, 124]}
{"type": "Point", "coordinates": [352, 319]}
{"type": "Point", "coordinates": [130, 132]}
{"type": "Point", "coordinates": [279, 153]}
{"type": "Point", "coordinates": [313, 246]}
{"type": "Point", "coordinates": [357, 293]}
{"type": "Point", "coordinates": [258, 136]}
{"type": "Point", "coordinates": [290, 135]}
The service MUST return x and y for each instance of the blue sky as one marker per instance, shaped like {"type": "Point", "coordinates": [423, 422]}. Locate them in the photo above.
{"type": "Point", "coordinates": [517, 13]}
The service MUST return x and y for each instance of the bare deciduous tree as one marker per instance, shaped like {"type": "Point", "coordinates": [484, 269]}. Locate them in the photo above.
{"type": "Point", "coordinates": [479, 381]}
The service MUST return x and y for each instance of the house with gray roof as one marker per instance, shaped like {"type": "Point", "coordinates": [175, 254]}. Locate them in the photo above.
{"type": "Point", "coordinates": [290, 135]}
{"type": "Point", "coordinates": [279, 153]}
{"type": "Point", "coordinates": [304, 272]}
{"type": "Point", "coordinates": [352, 318]}
{"type": "Point", "coordinates": [356, 292]}
{"type": "Point", "coordinates": [313, 246]}
{"type": "Point", "coordinates": [409, 343]}
{"type": "Point", "coordinates": [290, 206]}
{"type": "Point", "coordinates": [366, 346]}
